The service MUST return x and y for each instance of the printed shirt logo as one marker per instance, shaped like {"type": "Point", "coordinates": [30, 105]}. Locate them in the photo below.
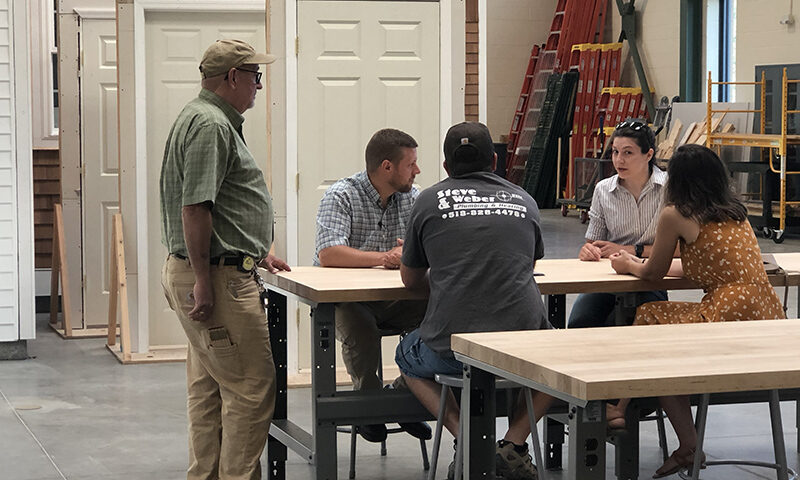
{"type": "Point", "coordinates": [464, 202]}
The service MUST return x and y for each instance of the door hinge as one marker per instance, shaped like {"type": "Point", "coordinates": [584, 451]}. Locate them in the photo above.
{"type": "Point", "coordinates": [296, 46]}
{"type": "Point", "coordinates": [297, 182]}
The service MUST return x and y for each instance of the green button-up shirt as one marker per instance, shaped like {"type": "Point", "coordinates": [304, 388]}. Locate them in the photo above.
{"type": "Point", "coordinates": [206, 160]}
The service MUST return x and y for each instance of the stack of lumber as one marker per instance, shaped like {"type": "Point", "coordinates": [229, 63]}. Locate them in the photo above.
{"type": "Point", "coordinates": [696, 133]}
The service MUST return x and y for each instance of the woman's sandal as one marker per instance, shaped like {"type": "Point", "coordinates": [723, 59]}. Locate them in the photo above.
{"type": "Point", "coordinates": [678, 461]}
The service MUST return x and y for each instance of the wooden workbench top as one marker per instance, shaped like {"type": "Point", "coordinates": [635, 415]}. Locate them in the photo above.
{"type": "Point", "coordinates": [559, 276]}
{"type": "Point", "coordinates": [642, 361]}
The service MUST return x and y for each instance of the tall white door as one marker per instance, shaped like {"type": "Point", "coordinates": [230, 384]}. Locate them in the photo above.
{"type": "Point", "coordinates": [175, 43]}
{"type": "Point", "coordinates": [362, 66]}
{"type": "Point", "coordinates": [100, 198]}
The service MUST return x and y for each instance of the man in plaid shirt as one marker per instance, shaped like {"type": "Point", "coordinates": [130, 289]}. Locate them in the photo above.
{"type": "Point", "coordinates": [361, 222]}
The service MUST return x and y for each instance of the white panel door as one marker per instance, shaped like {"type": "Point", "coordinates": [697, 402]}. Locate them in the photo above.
{"type": "Point", "coordinates": [100, 187]}
{"type": "Point", "coordinates": [175, 43]}
{"type": "Point", "coordinates": [362, 66]}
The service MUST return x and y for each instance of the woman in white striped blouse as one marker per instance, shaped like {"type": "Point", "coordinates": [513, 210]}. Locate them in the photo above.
{"type": "Point", "coordinates": [623, 216]}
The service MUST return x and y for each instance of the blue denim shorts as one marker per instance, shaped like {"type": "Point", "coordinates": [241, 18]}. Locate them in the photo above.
{"type": "Point", "coordinates": [416, 360]}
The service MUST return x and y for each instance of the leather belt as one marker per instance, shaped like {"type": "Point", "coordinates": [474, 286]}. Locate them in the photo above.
{"type": "Point", "coordinates": [244, 262]}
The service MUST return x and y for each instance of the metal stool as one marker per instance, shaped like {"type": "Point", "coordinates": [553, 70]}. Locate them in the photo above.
{"type": "Point", "coordinates": [780, 465]}
{"type": "Point", "coordinates": [353, 431]}
{"type": "Point", "coordinates": [449, 382]}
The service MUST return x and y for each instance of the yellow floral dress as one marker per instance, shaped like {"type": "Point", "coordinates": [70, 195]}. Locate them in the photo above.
{"type": "Point", "coordinates": [725, 261]}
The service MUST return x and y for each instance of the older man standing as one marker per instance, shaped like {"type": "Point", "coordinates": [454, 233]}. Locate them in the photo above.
{"type": "Point", "coordinates": [217, 223]}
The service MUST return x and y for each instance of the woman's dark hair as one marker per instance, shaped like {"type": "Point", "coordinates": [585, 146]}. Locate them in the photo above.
{"type": "Point", "coordinates": [699, 186]}
{"type": "Point", "coordinates": [637, 130]}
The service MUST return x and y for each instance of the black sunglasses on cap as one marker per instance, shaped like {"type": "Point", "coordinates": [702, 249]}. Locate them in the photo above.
{"type": "Point", "coordinates": [633, 125]}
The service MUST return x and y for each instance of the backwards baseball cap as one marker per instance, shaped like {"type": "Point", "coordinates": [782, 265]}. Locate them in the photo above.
{"type": "Point", "coordinates": [468, 147]}
{"type": "Point", "coordinates": [229, 53]}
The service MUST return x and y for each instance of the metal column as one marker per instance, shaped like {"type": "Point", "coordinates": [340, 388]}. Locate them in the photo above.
{"type": "Point", "coordinates": [276, 320]}
{"type": "Point", "coordinates": [587, 442]}
{"type": "Point", "coordinates": [478, 407]}
{"type": "Point", "coordinates": [323, 381]}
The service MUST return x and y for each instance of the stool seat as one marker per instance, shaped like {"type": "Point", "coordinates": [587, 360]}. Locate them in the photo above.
{"type": "Point", "coordinates": [457, 381]}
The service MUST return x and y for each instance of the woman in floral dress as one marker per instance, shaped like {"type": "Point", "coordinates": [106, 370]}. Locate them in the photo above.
{"type": "Point", "coordinates": [719, 251]}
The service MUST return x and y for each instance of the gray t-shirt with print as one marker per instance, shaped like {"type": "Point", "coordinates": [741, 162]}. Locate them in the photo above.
{"type": "Point", "coordinates": [480, 235]}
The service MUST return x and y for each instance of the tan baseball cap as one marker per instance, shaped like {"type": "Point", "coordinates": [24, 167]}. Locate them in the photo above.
{"type": "Point", "coordinates": [229, 53]}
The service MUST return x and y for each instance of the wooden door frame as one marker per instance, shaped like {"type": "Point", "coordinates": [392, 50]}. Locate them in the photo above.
{"type": "Point", "coordinates": [83, 14]}
{"type": "Point", "coordinates": [283, 95]}
{"type": "Point", "coordinates": [69, 135]}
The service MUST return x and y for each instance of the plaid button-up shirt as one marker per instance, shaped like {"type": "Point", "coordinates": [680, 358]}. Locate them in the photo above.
{"type": "Point", "coordinates": [350, 214]}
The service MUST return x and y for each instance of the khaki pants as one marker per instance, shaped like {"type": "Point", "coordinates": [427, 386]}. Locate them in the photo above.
{"type": "Point", "coordinates": [358, 327]}
{"type": "Point", "coordinates": [231, 388]}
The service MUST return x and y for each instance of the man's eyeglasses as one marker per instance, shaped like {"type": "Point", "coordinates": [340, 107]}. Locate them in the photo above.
{"type": "Point", "coordinates": [254, 72]}
{"type": "Point", "coordinates": [633, 125]}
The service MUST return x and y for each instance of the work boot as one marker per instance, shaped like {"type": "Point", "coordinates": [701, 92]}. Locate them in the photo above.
{"type": "Point", "coordinates": [419, 430]}
{"type": "Point", "coordinates": [372, 433]}
{"type": "Point", "coordinates": [513, 462]}
{"type": "Point", "coordinates": [451, 469]}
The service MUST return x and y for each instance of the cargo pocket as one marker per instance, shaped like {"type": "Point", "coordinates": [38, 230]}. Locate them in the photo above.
{"type": "Point", "coordinates": [225, 358]}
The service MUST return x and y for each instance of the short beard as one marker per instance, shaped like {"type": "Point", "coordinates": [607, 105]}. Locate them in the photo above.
{"type": "Point", "coordinates": [402, 187]}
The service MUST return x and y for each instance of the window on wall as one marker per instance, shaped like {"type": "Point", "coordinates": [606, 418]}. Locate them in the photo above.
{"type": "Point", "coordinates": [44, 72]}
{"type": "Point", "coordinates": [721, 47]}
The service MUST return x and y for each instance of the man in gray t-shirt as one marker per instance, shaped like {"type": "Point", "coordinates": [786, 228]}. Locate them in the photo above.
{"type": "Point", "coordinates": [473, 240]}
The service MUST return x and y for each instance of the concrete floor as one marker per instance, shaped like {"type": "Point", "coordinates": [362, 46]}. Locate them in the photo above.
{"type": "Point", "coordinates": [72, 412]}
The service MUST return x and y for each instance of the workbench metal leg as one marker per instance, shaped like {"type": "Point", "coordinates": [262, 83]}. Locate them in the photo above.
{"type": "Point", "coordinates": [557, 310]}
{"type": "Point", "coordinates": [625, 308]}
{"type": "Point", "coordinates": [626, 451]}
{"type": "Point", "coordinates": [587, 442]}
{"type": "Point", "coordinates": [276, 321]}
{"type": "Point", "coordinates": [700, 425]}
{"type": "Point", "coordinates": [554, 440]}
{"type": "Point", "coordinates": [777, 435]}
{"type": "Point", "coordinates": [478, 407]}
{"type": "Point", "coordinates": [537, 446]}
{"type": "Point", "coordinates": [323, 382]}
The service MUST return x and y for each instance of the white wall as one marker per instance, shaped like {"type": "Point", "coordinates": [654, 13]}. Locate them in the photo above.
{"type": "Point", "coordinates": [513, 27]}
{"type": "Point", "coordinates": [658, 26]}
{"type": "Point", "coordinates": [762, 40]}
{"type": "Point", "coordinates": [16, 198]}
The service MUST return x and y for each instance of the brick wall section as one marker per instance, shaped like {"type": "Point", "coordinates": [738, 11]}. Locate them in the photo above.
{"type": "Point", "coordinates": [471, 80]}
{"type": "Point", "coordinates": [46, 192]}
